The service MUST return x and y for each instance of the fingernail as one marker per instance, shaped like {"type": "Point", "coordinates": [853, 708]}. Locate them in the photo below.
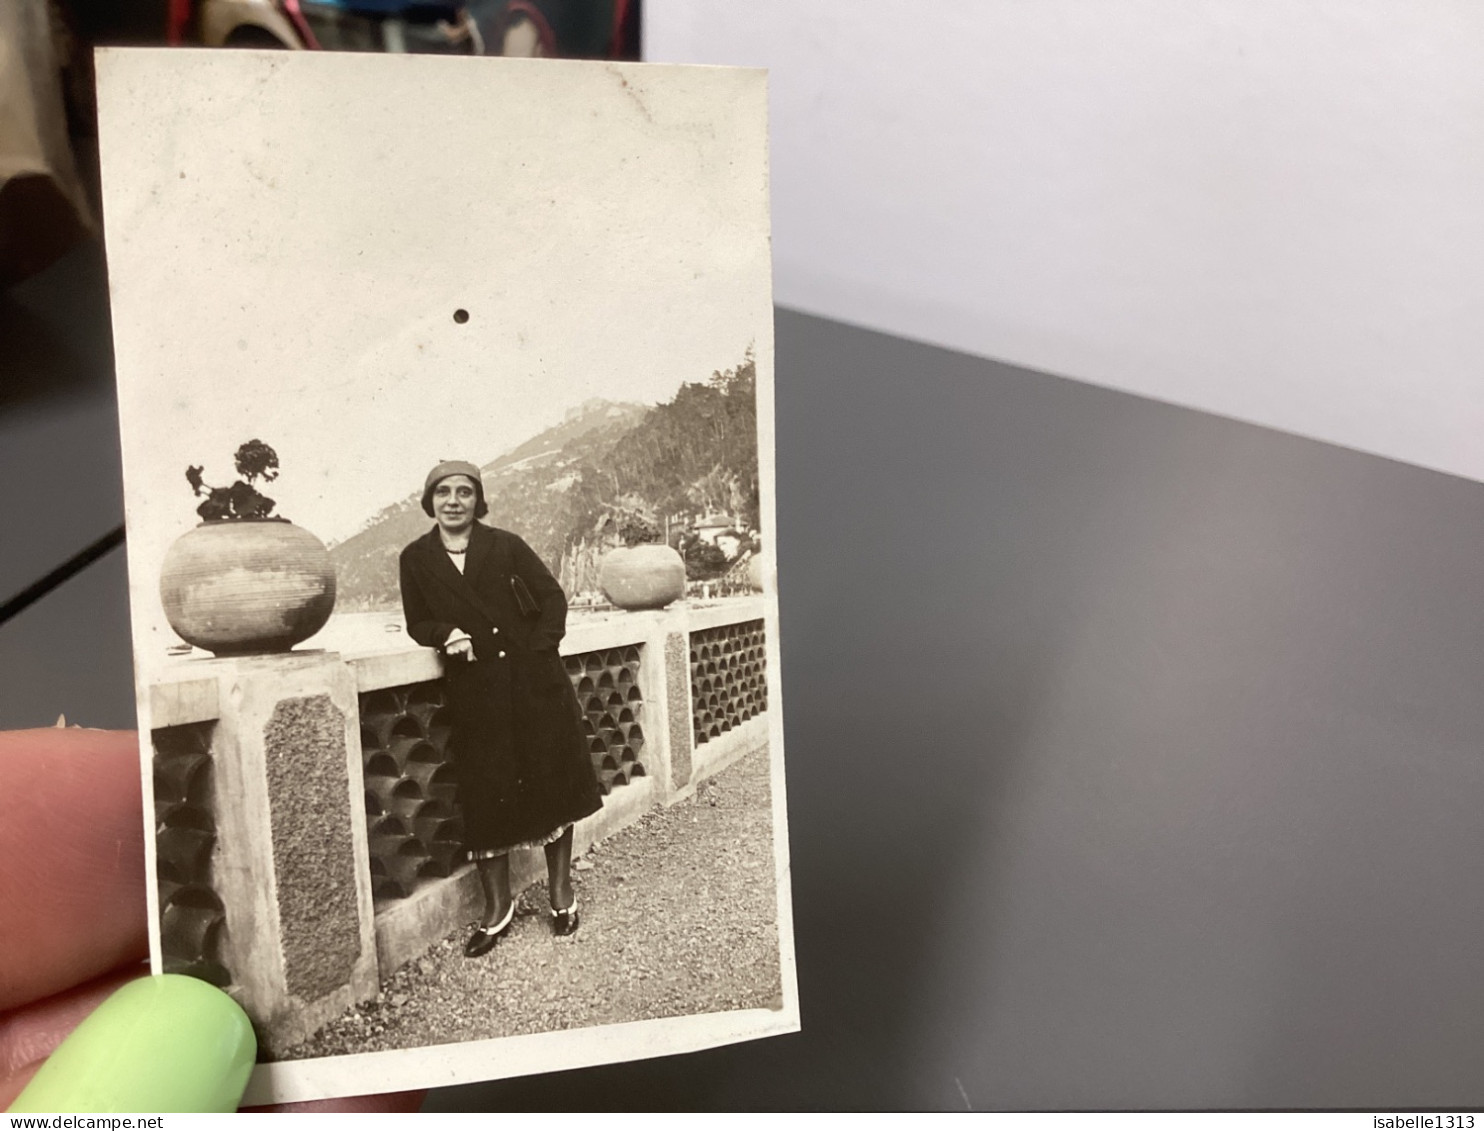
{"type": "Point", "coordinates": [167, 1043]}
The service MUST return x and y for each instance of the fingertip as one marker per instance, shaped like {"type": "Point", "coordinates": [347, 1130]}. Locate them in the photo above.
{"type": "Point", "coordinates": [78, 907]}
{"type": "Point", "coordinates": [166, 1043]}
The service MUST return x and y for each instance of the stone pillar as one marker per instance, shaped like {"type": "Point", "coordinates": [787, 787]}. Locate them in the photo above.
{"type": "Point", "coordinates": [291, 866]}
{"type": "Point", "coordinates": [675, 648]}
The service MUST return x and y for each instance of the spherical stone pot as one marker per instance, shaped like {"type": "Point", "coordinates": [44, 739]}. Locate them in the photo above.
{"type": "Point", "coordinates": [247, 586]}
{"type": "Point", "coordinates": [755, 572]}
{"type": "Point", "coordinates": [643, 577]}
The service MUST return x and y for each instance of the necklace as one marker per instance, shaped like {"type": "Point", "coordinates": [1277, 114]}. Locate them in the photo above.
{"type": "Point", "coordinates": [451, 550]}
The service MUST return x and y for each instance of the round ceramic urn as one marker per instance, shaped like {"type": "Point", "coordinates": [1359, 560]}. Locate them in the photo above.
{"type": "Point", "coordinates": [643, 577]}
{"type": "Point", "coordinates": [247, 586]}
{"type": "Point", "coordinates": [755, 572]}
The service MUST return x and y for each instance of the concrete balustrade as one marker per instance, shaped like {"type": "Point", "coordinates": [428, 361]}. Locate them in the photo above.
{"type": "Point", "coordinates": [313, 855]}
{"type": "Point", "coordinates": [296, 938]}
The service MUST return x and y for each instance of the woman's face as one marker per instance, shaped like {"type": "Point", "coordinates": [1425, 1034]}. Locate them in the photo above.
{"type": "Point", "coordinates": [454, 500]}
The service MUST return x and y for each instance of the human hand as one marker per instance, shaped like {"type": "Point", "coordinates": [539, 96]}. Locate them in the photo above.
{"type": "Point", "coordinates": [72, 933]}
{"type": "Point", "coordinates": [464, 648]}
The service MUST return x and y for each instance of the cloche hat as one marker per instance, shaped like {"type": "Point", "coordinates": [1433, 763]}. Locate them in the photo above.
{"type": "Point", "coordinates": [443, 471]}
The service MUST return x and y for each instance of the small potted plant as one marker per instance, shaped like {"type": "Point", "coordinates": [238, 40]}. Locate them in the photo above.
{"type": "Point", "coordinates": [245, 581]}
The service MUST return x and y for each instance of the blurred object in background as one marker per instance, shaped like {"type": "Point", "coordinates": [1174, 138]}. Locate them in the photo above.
{"type": "Point", "coordinates": [559, 29]}
{"type": "Point", "coordinates": [440, 27]}
{"type": "Point", "coordinates": [569, 29]}
{"type": "Point", "coordinates": [44, 208]}
{"type": "Point", "coordinates": [47, 132]}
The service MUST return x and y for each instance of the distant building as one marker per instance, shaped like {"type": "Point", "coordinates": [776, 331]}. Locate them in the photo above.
{"type": "Point", "coordinates": [713, 526]}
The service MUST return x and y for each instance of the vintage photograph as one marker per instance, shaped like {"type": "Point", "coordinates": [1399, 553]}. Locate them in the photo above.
{"type": "Point", "coordinates": [445, 393]}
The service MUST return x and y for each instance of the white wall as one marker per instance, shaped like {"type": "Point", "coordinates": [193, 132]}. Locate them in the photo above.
{"type": "Point", "coordinates": [1269, 210]}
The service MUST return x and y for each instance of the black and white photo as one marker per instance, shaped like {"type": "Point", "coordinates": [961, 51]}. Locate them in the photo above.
{"type": "Point", "coordinates": [445, 395]}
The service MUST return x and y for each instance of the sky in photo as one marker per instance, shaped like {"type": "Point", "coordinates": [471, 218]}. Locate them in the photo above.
{"type": "Point", "coordinates": [288, 246]}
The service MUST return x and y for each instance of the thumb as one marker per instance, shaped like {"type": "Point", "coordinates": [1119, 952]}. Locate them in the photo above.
{"type": "Point", "coordinates": [168, 1043]}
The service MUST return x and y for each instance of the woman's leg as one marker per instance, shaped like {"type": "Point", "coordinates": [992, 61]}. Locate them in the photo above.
{"type": "Point", "coordinates": [494, 876]}
{"type": "Point", "coordinates": [559, 871]}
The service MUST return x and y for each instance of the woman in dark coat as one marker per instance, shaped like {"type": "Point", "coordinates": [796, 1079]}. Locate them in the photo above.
{"type": "Point", "coordinates": [485, 600]}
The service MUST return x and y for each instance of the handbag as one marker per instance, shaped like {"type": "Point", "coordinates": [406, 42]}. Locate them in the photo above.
{"type": "Point", "coordinates": [523, 599]}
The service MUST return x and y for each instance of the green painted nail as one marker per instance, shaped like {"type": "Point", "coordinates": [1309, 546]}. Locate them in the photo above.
{"type": "Point", "coordinates": [167, 1043]}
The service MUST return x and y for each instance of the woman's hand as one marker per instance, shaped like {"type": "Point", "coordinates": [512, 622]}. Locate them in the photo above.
{"type": "Point", "coordinates": [459, 644]}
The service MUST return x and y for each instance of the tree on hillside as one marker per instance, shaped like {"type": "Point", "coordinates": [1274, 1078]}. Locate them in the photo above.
{"type": "Point", "coordinates": [698, 450]}
{"type": "Point", "coordinates": [594, 482]}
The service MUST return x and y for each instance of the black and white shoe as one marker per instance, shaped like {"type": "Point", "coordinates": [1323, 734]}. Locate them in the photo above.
{"type": "Point", "coordinates": [564, 922]}
{"type": "Point", "coordinates": [483, 940]}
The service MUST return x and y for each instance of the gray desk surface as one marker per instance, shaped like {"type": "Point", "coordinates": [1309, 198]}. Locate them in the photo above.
{"type": "Point", "coordinates": [1134, 755]}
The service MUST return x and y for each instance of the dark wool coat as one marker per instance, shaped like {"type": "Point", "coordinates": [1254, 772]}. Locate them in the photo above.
{"type": "Point", "coordinates": [516, 730]}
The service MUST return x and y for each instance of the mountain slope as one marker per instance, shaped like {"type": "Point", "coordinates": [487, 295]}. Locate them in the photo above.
{"type": "Point", "coordinates": [608, 473]}
{"type": "Point", "coordinates": [517, 486]}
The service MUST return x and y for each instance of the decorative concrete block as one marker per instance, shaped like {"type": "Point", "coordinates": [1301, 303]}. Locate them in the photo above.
{"type": "Point", "coordinates": [192, 918]}
{"type": "Point", "coordinates": [729, 683]}
{"type": "Point", "coordinates": [608, 685]}
{"type": "Point", "coordinates": [411, 792]}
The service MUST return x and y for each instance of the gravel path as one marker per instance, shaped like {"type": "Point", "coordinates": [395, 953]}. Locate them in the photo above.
{"type": "Point", "coordinates": [678, 917]}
